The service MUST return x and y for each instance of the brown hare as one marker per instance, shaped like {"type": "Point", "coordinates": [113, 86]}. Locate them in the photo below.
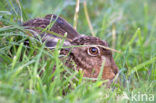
{"type": "Point", "coordinates": [87, 58]}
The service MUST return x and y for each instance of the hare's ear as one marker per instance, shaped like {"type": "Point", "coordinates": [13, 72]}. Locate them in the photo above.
{"type": "Point", "coordinates": [51, 43]}
{"type": "Point", "coordinates": [61, 26]}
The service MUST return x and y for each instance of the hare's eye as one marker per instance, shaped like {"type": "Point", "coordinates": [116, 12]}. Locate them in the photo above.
{"type": "Point", "coordinates": [93, 51]}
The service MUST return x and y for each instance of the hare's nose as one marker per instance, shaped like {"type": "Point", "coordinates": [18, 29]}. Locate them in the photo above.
{"type": "Point", "coordinates": [115, 69]}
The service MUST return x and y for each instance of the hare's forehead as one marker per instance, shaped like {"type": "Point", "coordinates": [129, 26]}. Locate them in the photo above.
{"type": "Point", "coordinates": [96, 43]}
{"type": "Point", "coordinates": [82, 40]}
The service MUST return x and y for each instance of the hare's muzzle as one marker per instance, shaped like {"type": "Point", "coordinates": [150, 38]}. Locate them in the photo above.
{"type": "Point", "coordinates": [108, 73]}
{"type": "Point", "coordinates": [110, 69]}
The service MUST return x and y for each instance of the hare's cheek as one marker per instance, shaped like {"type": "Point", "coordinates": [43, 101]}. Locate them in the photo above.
{"type": "Point", "coordinates": [108, 73]}
{"type": "Point", "coordinates": [107, 61]}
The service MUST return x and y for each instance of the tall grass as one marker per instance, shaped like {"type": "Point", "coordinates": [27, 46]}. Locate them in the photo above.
{"type": "Point", "coordinates": [22, 79]}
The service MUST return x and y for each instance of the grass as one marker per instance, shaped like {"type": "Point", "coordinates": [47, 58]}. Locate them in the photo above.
{"type": "Point", "coordinates": [128, 26]}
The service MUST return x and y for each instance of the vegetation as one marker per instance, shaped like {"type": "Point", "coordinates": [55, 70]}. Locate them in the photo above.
{"type": "Point", "coordinates": [127, 25]}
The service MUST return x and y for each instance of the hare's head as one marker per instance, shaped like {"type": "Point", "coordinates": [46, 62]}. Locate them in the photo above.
{"type": "Point", "coordinates": [90, 54]}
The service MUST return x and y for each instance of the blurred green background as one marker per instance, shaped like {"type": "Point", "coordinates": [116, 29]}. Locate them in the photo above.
{"type": "Point", "coordinates": [134, 23]}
